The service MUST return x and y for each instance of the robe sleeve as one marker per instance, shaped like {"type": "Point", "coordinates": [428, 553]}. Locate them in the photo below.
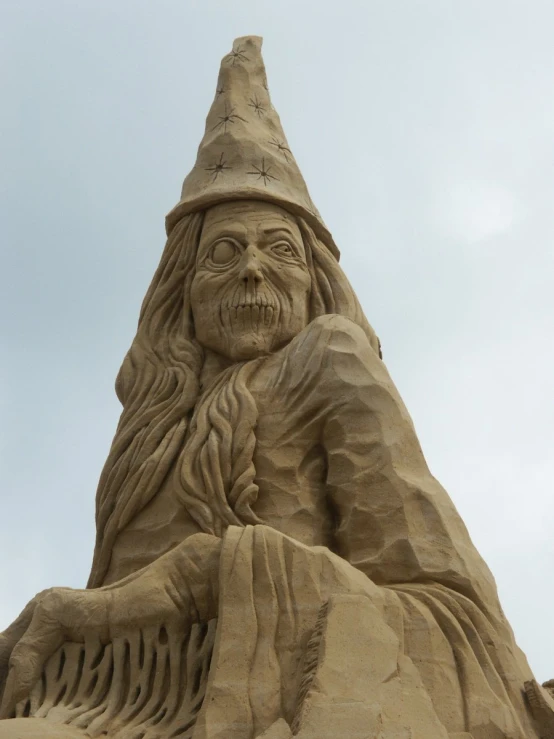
{"type": "Point", "coordinates": [394, 521]}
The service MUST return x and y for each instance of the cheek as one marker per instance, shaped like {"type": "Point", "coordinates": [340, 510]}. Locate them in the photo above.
{"type": "Point", "coordinates": [205, 301]}
{"type": "Point", "coordinates": [195, 291]}
{"type": "Point", "coordinates": [293, 283]}
{"type": "Point", "coordinates": [207, 288]}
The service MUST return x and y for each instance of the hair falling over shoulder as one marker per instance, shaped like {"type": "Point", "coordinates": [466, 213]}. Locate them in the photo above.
{"type": "Point", "coordinates": [166, 426]}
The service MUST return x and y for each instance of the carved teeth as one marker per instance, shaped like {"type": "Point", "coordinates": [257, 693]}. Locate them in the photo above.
{"type": "Point", "coordinates": [251, 305]}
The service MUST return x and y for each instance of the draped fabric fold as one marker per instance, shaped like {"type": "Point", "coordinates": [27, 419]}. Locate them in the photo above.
{"type": "Point", "coordinates": [307, 641]}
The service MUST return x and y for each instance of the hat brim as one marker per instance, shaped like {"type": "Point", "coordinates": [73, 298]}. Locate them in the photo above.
{"type": "Point", "coordinates": [206, 200]}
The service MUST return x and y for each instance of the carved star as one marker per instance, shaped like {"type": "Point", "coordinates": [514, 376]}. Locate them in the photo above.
{"type": "Point", "coordinates": [282, 147]}
{"type": "Point", "coordinates": [237, 55]}
{"type": "Point", "coordinates": [257, 106]}
{"type": "Point", "coordinates": [263, 172]}
{"type": "Point", "coordinates": [219, 91]}
{"type": "Point", "coordinates": [229, 118]}
{"type": "Point", "coordinates": [218, 168]}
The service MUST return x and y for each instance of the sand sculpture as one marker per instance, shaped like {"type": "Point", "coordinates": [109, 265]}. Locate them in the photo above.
{"type": "Point", "coordinates": [273, 557]}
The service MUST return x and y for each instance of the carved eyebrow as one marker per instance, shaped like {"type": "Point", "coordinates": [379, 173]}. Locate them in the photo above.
{"type": "Point", "coordinates": [235, 233]}
{"type": "Point", "coordinates": [224, 225]}
{"type": "Point", "coordinates": [214, 234]}
{"type": "Point", "coordinates": [285, 229]}
{"type": "Point", "coordinates": [276, 229]}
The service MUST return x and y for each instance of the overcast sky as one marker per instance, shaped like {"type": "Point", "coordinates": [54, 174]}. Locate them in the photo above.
{"type": "Point", "coordinates": [424, 130]}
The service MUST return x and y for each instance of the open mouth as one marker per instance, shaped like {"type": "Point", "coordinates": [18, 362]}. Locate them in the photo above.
{"type": "Point", "coordinates": [248, 316]}
{"type": "Point", "coordinates": [250, 301]}
{"type": "Point", "coordinates": [249, 305]}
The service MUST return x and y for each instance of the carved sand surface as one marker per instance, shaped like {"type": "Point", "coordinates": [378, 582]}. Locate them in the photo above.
{"type": "Point", "coordinates": [273, 557]}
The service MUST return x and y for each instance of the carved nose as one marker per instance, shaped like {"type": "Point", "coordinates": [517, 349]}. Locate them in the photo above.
{"type": "Point", "coordinates": [250, 269]}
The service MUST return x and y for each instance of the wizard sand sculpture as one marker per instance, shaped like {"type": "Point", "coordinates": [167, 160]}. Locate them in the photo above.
{"type": "Point", "coordinates": [273, 557]}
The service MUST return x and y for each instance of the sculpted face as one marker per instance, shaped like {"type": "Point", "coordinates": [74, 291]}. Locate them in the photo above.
{"type": "Point", "coordinates": [250, 292]}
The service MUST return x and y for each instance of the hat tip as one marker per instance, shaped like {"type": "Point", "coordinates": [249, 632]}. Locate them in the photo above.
{"type": "Point", "coordinates": [252, 39]}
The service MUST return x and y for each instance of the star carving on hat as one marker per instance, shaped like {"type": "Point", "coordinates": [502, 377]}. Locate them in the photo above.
{"type": "Point", "coordinates": [237, 55]}
{"type": "Point", "coordinates": [263, 172]}
{"type": "Point", "coordinates": [257, 106]}
{"type": "Point", "coordinates": [217, 168]}
{"type": "Point", "coordinates": [282, 147]}
{"type": "Point", "coordinates": [229, 118]}
{"type": "Point", "coordinates": [244, 151]}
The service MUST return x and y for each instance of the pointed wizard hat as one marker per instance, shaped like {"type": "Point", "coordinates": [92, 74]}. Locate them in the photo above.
{"type": "Point", "coordinates": [244, 153]}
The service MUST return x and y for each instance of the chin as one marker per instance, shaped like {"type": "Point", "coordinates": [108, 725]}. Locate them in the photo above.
{"type": "Point", "coordinates": [249, 347]}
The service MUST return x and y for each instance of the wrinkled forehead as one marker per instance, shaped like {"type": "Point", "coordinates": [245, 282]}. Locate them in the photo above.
{"type": "Point", "coordinates": [248, 216]}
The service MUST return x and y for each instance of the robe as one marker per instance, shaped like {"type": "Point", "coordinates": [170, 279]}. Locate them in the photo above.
{"type": "Point", "coordinates": [358, 607]}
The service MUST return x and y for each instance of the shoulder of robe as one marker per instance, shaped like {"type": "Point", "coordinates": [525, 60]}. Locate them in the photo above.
{"type": "Point", "coordinates": [340, 333]}
{"type": "Point", "coordinates": [335, 347]}
{"type": "Point", "coordinates": [342, 336]}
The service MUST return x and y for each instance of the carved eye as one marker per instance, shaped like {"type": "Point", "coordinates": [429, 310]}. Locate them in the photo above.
{"type": "Point", "coordinates": [223, 253]}
{"type": "Point", "coordinates": [283, 249]}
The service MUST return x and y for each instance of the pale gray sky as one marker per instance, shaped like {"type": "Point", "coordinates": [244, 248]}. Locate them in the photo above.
{"type": "Point", "coordinates": [424, 130]}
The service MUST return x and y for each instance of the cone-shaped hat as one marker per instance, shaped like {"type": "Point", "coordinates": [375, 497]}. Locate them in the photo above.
{"type": "Point", "coordinates": [244, 153]}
